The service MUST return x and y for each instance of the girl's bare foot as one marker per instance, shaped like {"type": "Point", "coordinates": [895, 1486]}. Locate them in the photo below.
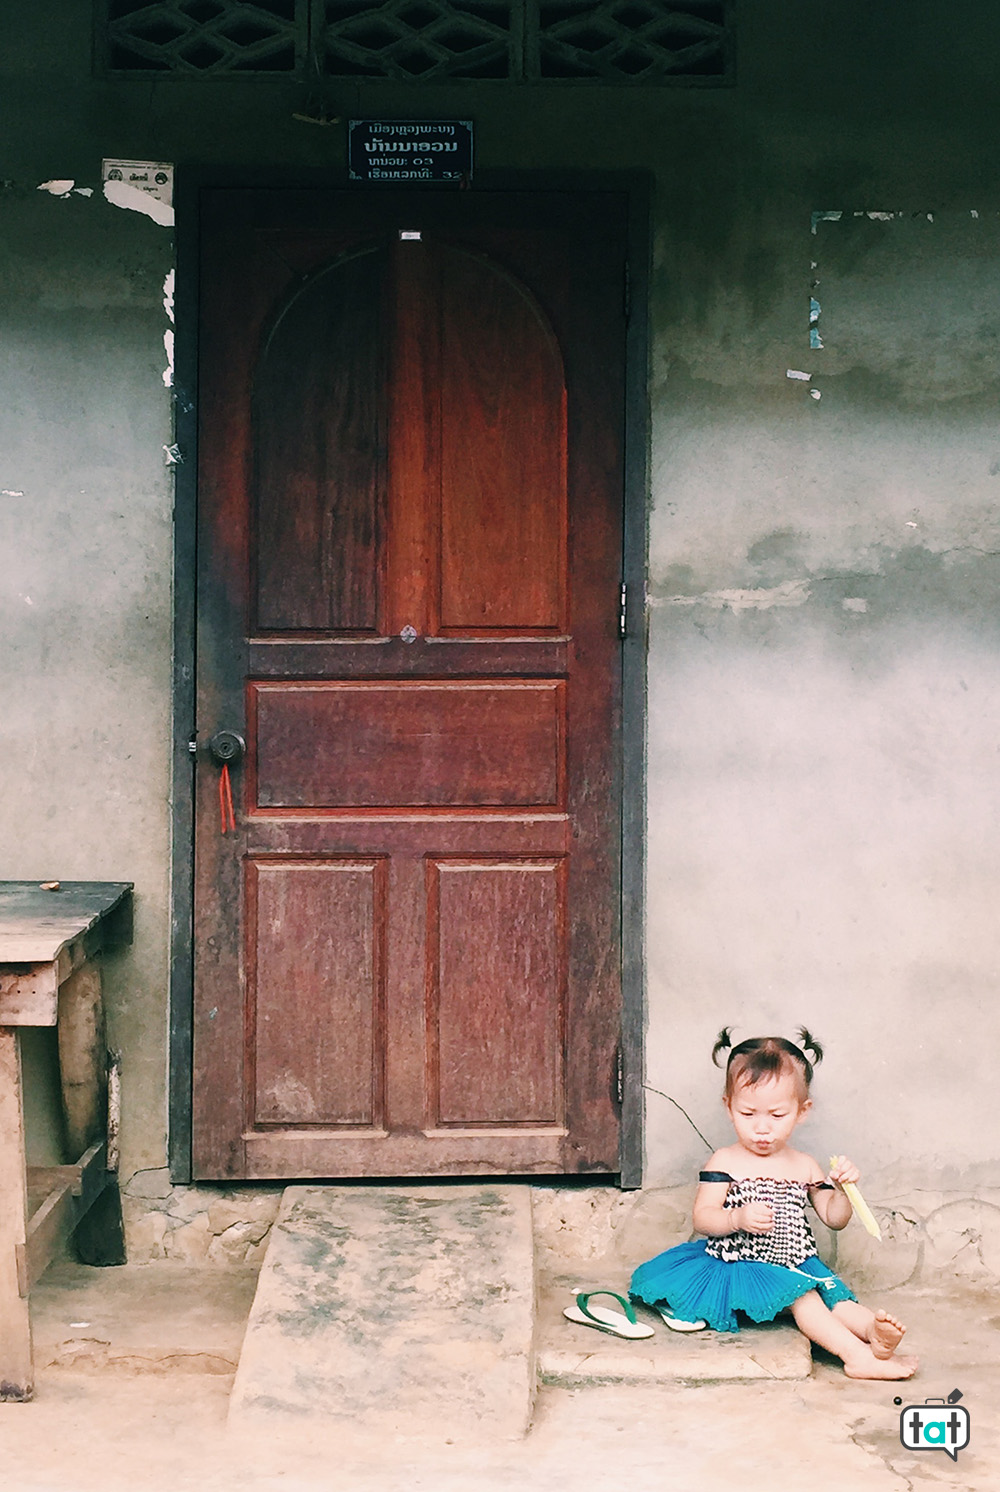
{"type": "Point", "coordinates": [885, 1334]}
{"type": "Point", "coordinates": [867, 1365]}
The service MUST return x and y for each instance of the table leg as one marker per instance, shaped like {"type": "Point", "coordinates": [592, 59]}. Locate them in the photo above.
{"type": "Point", "coordinates": [83, 1061]}
{"type": "Point", "coordinates": [16, 1376]}
{"type": "Point", "coordinates": [83, 1065]}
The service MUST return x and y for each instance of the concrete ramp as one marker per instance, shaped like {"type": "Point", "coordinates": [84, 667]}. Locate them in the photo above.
{"type": "Point", "coordinates": [398, 1309]}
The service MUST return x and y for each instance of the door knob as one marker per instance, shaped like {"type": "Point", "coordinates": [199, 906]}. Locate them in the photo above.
{"type": "Point", "coordinates": [227, 747]}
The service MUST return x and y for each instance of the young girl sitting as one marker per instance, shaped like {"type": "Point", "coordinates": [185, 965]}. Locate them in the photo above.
{"type": "Point", "coordinates": [760, 1254]}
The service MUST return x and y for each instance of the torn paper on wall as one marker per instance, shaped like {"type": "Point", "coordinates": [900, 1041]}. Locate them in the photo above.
{"type": "Point", "coordinates": [57, 187]}
{"type": "Point", "coordinates": [120, 194]}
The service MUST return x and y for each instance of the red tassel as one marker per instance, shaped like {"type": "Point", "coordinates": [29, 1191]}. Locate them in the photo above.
{"type": "Point", "coordinates": [227, 817]}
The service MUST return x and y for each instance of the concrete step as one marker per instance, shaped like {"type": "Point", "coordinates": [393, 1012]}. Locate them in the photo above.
{"type": "Point", "coordinates": [396, 1309]}
{"type": "Point", "coordinates": [573, 1356]}
{"type": "Point", "coordinates": [162, 1317]}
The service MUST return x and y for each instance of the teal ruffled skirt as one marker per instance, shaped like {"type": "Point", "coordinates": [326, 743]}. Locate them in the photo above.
{"type": "Point", "coordinates": [695, 1285]}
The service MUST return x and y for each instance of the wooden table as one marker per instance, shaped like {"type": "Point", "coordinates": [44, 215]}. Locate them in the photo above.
{"type": "Point", "coordinates": [51, 942]}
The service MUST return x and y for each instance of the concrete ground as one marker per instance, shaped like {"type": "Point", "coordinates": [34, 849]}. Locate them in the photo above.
{"type": "Point", "coordinates": [135, 1369]}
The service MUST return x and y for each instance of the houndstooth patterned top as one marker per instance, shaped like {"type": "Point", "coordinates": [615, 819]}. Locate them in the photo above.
{"type": "Point", "coordinates": [789, 1241]}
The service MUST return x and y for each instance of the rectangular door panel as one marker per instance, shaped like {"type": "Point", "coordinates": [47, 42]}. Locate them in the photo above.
{"type": "Point", "coordinates": [496, 991]}
{"type": "Point", "coordinates": [315, 991]}
{"type": "Point", "coordinates": [373, 745]}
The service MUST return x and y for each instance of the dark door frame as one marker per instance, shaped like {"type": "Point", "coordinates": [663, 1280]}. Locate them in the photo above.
{"type": "Point", "coordinates": [632, 786]}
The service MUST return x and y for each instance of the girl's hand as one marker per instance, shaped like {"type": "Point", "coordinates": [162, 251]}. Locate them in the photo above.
{"type": "Point", "coordinates": [756, 1217]}
{"type": "Point", "coordinates": [844, 1170]}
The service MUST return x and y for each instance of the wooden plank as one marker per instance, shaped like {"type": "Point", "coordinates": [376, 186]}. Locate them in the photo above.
{"type": "Point", "coordinates": [68, 1193]}
{"type": "Point", "coordinates": [414, 441]}
{"type": "Point", "coordinates": [344, 658]}
{"type": "Point", "coordinates": [44, 1179]}
{"type": "Point", "coordinates": [444, 1152]}
{"type": "Point", "coordinates": [456, 832]}
{"type": "Point", "coordinates": [50, 1225]}
{"type": "Point", "coordinates": [16, 1378]}
{"type": "Point", "coordinates": [29, 997]}
{"type": "Point", "coordinates": [634, 692]}
{"type": "Point", "coordinates": [35, 925]}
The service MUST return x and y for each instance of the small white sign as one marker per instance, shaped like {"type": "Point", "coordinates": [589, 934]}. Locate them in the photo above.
{"type": "Point", "coordinates": [155, 178]}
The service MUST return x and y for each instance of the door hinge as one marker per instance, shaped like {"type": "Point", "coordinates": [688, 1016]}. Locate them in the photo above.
{"type": "Point", "coordinates": [627, 292]}
{"type": "Point", "coordinates": [619, 1076]}
{"type": "Point", "coordinates": [623, 610]}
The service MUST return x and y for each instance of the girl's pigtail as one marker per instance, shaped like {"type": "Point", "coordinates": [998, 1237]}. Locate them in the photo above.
{"type": "Point", "coordinates": [723, 1042]}
{"type": "Point", "coordinates": [809, 1043]}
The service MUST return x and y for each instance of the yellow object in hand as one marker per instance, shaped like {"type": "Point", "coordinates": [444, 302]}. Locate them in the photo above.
{"type": "Point", "coordinates": [864, 1213]}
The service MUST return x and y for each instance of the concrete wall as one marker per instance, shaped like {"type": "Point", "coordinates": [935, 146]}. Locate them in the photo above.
{"type": "Point", "coordinates": [824, 682]}
{"type": "Point", "coordinates": [85, 595]}
{"type": "Point", "coordinates": [823, 572]}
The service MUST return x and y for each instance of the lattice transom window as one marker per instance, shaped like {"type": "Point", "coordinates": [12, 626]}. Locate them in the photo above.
{"type": "Point", "coordinates": [601, 41]}
{"type": "Point", "coordinates": [204, 36]}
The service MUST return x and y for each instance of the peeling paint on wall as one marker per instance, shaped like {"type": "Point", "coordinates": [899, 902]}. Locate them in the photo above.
{"type": "Point", "coordinates": [791, 593]}
{"type": "Point", "coordinates": [168, 335]}
{"type": "Point", "coordinates": [801, 377]}
{"type": "Point", "coordinates": [867, 253]}
{"type": "Point", "coordinates": [64, 187]}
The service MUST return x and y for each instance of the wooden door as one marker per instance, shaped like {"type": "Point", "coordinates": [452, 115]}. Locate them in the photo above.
{"type": "Point", "coordinates": [410, 475]}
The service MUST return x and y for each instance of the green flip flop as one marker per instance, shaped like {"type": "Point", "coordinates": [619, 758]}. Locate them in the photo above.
{"type": "Point", "coordinates": [601, 1318]}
